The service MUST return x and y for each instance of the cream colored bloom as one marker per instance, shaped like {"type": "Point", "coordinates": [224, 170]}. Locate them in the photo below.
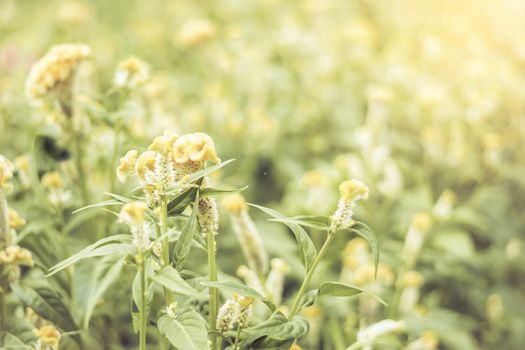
{"type": "Point", "coordinates": [6, 174]}
{"type": "Point", "coordinates": [133, 213]}
{"type": "Point", "coordinates": [15, 221]}
{"type": "Point", "coordinates": [234, 203]}
{"type": "Point", "coordinates": [195, 31]}
{"type": "Point", "coordinates": [351, 191]}
{"type": "Point", "coordinates": [235, 312]}
{"type": "Point", "coordinates": [127, 165]}
{"type": "Point", "coordinates": [132, 73]}
{"type": "Point", "coordinates": [208, 215]}
{"type": "Point", "coordinates": [163, 144]}
{"type": "Point", "coordinates": [56, 67]}
{"type": "Point", "coordinates": [247, 234]}
{"type": "Point", "coordinates": [145, 163]}
{"type": "Point", "coordinates": [16, 255]}
{"type": "Point", "coordinates": [48, 335]}
{"type": "Point", "coordinates": [53, 180]}
{"type": "Point", "coordinates": [275, 281]}
{"type": "Point", "coordinates": [197, 147]}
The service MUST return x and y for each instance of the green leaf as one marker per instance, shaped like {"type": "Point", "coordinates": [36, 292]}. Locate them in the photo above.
{"type": "Point", "coordinates": [107, 203]}
{"type": "Point", "coordinates": [241, 289]}
{"type": "Point", "coordinates": [47, 304]}
{"type": "Point", "coordinates": [318, 222]}
{"type": "Point", "coordinates": [12, 342]}
{"type": "Point", "coordinates": [177, 205]}
{"type": "Point", "coordinates": [205, 172]}
{"type": "Point", "coordinates": [182, 248]}
{"type": "Point", "coordinates": [171, 279]}
{"type": "Point", "coordinates": [337, 289]}
{"type": "Point", "coordinates": [278, 327]}
{"type": "Point", "coordinates": [96, 249]}
{"type": "Point", "coordinates": [364, 231]}
{"type": "Point", "coordinates": [107, 272]}
{"type": "Point", "coordinates": [210, 191]}
{"type": "Point", "coordinates": [185, 332]}
{"type": "Point", "coordinates": [306, 246]}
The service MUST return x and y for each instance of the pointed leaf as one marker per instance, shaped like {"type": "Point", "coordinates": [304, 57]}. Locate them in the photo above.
{"type": "Point", "coordinates": [337, 289]}
{"type": "Point", "coordinates": [171, 279]}
{"type": "Point", "coordinates": [210, 191]}
{"type": "Point", "coordinates": [107, 272]}
{"type": "Point", "coordinates": [306, 246]}
{"type": "Point", "coordinates": [235, 287]}
{"type": "Point", "coordinates": [47, 304]}
{"type": "Point", "coordinates": [364, 231]}
{"type": "Point", "coordinates": [185, 332]}
{"type": "Point", "coordinates": [278, 327]}
{"type": "Point", "coordinates": [314, 221]}
{"type": "Point", "coordinates": [182, 248]}
{"type": "Point", "coordinates": [109, 245]}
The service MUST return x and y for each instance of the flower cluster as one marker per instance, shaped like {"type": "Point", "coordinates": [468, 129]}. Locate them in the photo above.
{"type": "Point", "coordinates": [48, 337]}
{"type": "Point", "coordinates": [351, 191]}
{"type": "Point", "coordinates": [131, 73]}
{"type": "Point", "coordinates": [6, 174]}
{"type": "Point", "coordinates": [55, 69]}
{"type": "Point", "coordinates": [419, 226]}
{"type": "Point", "coordinates": [235, 312]}
{"type": "Point", "coordinates": [168, 160]}
{"type": "Point", "coordinates": [133, 214]}
{"type": "Point", "coordinates": [55, 186]}
{"type": "Point", "coordinates": [246, 232]}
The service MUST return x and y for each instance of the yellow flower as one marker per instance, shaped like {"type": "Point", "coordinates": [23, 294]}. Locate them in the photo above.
{"type": "Point", "coordinates": [234, 203]}
{"type": "Point", "coordinates": [126, 165]}
{"type": "Point", "coordinates": [16, 255]}
{"type": "Point", "coordinates": [163, 144]}
{"type": "Point", "coordinates": [15, 221]}
{"type": "Point", "coordinates": [145, 163]}
{"type": "Point", "coordinates": [49, 335]}
{"type": "Point", "coordinates": [352, 190]}
{"type": "Point", "coordinates": [6, 174]}
{"type": "Point", "coordinates": [132, 73]}
{"type": "Point", "coordinates": [195, 31]}
{"type": "Point", "coordinates": [52, 180]}
{"type": "Point", "coordinates": [57, 66]}
{"type": "Point", "coordinates": [314, 178]}
{"type": "Point", "coordinates": [132, 213]}
{"type": "Point", "coordinates": [22, 163]}
{"type": "Point", "coordinates": [421, 222]}
{"type": "Point", "coordinates": [196, 147]}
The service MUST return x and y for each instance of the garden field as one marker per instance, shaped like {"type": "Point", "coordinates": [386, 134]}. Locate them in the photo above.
{"type": "Point", "coordinates": [273, 174]}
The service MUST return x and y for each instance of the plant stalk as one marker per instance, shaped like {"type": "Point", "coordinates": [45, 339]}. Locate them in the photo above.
{"type": "Point", "coordinates": [143, 313]}
{"type": "Point", "coordinates": [309, 274]}
{"type": "Point", "coordinates": [165, 242]}
{"type": "Point", "coordinates": [214, 293]}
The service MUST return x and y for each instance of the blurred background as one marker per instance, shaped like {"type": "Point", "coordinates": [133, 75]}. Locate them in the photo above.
{"type": "Point", "coordinates": [424, 101]}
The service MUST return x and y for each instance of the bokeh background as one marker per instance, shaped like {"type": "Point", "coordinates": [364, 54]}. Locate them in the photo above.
{"type": "Point", "coordinates": [424, 101]}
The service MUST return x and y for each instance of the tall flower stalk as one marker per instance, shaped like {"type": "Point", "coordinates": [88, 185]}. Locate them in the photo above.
{"type": "Point", "coordinates": [351, 191]}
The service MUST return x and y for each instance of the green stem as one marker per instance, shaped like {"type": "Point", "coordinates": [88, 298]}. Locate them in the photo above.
{"type": "Point", "coordinates": [394, 304]}
{"type": "Point", "coordinates": [143, 313]}
{"type": "Point", "coordinates": [237, 338]}
{"type": "Point", "coordinates": [358, 344]}
{"type": "Point", "coordinates": [165, 242]}
{"type": "Point", "coordinates": [214, 293]}
{"type": "Point", "coordinates": [309, 274]}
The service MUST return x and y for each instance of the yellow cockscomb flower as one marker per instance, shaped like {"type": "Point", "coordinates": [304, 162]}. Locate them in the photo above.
{"type": "Point", "coordinates": [127, 165]}
{"type": "Point", "coordinates": [196, 147]}
{"type": "Point", "coordinates": [52, 180]}
{"type": "Point", "coordinates": [16, 255]}
{"type": "Point", "coordinates": [6, 174]}
{"type": "Point", "coordinates": [145, 162]}
{"type": "Point", "coordinates": [234, 203]}
{"type": "Point", "coordinates": [15, 221]}
{"type": "Point", "coordinates": [195, 31]}
{"type": "Point", "coordinates": [352, 190]}
{"type": "Point", "coordinates": [56, 67]}
{"type": "Point", "coordinates": [48, 335]}
{"type": "Point", "coordinates": [164, 143]}
{"type": "Point", "coordinates": [132, 73]}
{"type": "Point", "coordinates": [132, 213]}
